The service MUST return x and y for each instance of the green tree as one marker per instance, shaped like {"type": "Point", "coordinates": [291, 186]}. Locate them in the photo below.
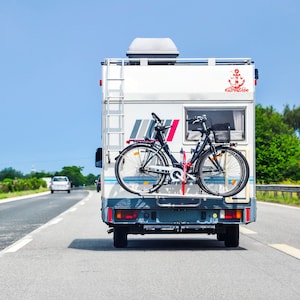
{"type": "Point", "coordinates": [10, 173]}
{"type": "Point", "coordinates": [277, 147]}
{"type": "Point", "coordinates": [90, 179]}
{"type": "Point", "coordinates": [292, 117]}
{"type": "Point", "coordinates": [41, 174]}
{"type": "Point", "coordinates": [74, 174]}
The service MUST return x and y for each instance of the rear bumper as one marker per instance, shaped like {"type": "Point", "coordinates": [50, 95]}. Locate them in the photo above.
{"type": "Point", "coordinates": [173, 229]}
{"type": "Point", "coordinates": [141, 216]}
{"type": "Point", "coordinates": [60, 188]}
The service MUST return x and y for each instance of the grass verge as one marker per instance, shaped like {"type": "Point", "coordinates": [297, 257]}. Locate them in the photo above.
{"type": "Point", "coordinates": [22, 193]}
{"type": "Point", "coordinates": [31, 192]}
{"type": "Point", "coordinates": [281, 198]}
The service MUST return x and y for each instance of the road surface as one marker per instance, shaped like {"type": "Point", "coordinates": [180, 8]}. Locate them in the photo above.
{"type": "Point", "coordinates": [72, 257]}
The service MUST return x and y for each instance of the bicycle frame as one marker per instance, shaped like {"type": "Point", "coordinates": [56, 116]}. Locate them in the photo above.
{"type": "Point", "coordinates": [200, 146]}
{"type": "Point", "coordinates": [179, 171]}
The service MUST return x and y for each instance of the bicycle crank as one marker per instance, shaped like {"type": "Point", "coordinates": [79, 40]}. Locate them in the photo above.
{"type": "Point", "coordinates": [176, 174]}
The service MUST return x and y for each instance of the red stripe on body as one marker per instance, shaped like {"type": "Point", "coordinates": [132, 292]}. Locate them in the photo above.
{"type": "Point", "coordinates": [172, 130]}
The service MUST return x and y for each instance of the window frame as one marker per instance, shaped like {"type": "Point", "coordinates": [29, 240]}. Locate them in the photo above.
{"type": "Point", "coordinates": [237, 135]}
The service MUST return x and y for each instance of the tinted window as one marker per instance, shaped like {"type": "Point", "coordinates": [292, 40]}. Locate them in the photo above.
{"type": "Point", "coordinates": [234, 116]}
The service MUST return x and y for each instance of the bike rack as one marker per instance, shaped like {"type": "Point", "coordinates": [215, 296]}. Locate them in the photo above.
{"type": "Point", "coordinates": [177, 205]}
{"type": "Point", "coordinates": [197, 197]}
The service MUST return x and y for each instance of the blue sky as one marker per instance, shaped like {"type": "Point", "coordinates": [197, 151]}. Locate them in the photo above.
{"type": "Point", "coordinates": [50, 55]}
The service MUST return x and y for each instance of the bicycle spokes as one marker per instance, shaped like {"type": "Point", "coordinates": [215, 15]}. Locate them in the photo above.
{"type": "Point", "coordinates": [222, 173]}
{"type": "Point", "coordinates": [134, 172]}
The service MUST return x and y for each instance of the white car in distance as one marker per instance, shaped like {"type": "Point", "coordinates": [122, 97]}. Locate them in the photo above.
{"type": "Point", "coordinates": [60, 183]}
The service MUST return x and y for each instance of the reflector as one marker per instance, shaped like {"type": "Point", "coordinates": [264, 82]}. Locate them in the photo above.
{"type": "Point", "coordinates": [109, 214]}
{"type": "Point", "coordinates": [248, 214]}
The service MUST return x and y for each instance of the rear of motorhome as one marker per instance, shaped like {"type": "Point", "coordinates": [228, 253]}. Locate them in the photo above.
{"type": "Point", "coordinates": [153, 78]}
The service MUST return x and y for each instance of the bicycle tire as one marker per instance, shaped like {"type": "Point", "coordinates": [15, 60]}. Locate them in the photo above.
{"type": "Point", "coordinates": [131, 168]}
{"type": "Point", "coordinates": [228, 182]}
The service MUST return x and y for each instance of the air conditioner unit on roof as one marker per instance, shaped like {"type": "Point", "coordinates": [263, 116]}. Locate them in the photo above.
{"type": "Point", "coordinates": [152, 48]}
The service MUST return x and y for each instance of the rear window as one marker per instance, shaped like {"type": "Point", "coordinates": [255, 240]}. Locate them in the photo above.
{"type": "Point", "coordinates": [235, 117]}
{"type": "Point", "coordinates": [60, 179]}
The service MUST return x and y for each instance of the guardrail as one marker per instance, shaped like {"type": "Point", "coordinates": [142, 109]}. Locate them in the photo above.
{"type": "Point", "coordinates": [279, 189]}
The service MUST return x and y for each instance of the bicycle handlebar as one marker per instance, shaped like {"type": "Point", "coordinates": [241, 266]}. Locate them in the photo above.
{"type": "Point", "coordinates": [198, 119]}
{"type": "Point", "coordinates": [194, 120]}
{"type": "Point", "coordinates": [156, 118]}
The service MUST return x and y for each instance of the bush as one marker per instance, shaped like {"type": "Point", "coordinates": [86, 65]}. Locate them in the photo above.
{"type": "Point", "coordinates": [17, 185]}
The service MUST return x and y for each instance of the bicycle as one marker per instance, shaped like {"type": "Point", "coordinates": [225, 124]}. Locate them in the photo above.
{"type": "Point", "coordinates": [146, 165]}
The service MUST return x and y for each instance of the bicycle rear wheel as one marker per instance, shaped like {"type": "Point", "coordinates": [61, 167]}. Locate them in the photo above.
{"type": "Point", "coordinates": [223, 173]}
{"type": "Point", "coordinates": [135, 168]}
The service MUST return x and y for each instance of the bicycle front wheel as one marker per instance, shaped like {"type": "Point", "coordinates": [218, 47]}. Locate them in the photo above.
{"type": "Point", "coordinates": [224, 172]}
{"type": "Point", "coordinates": [138, 169]}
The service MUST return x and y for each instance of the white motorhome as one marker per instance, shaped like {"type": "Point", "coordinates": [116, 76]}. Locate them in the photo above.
{"type": "Point", "coordinates": [152, 78]}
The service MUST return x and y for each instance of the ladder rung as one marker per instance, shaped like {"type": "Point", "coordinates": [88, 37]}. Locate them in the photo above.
{"type": "Point", "coordinates": [116, 114]}
{"type": "Point", "coordinates": [114, 90]}
{"type": "Point", "coordinates": [114, 132]}
{"type": "Point", "coordinates": [115, 97]}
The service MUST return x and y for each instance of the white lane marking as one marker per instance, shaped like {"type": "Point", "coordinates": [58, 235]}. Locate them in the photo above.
{"type": "Point", "coordinates": [27, 239]}
{"type": "Point", "coordinates": [18, 245]}
{"type": "Point", "coordinates": [55, 221]}
{"type": "Point", "coordinates": [246, 230]}
{"type": "Point", "coordinates": [287, 249]}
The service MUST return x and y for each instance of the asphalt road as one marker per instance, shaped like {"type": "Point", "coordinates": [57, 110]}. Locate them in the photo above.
{"type": "Point", "coordinates": [72, 257]}
{"type": "Point", "coordinates": [20, 217]}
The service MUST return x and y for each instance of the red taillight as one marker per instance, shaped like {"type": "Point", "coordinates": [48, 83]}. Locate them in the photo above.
{"type": "Point", "coordinates": [248, 214]}
{"type": "Point", "coordinates": [232, 214]}
{"type": "Point", "coordinates": [126, 214]}
{"type": "Point", "coordinates": [109, 214]}
{"type": "Point", "coordinates": [100, 82]}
